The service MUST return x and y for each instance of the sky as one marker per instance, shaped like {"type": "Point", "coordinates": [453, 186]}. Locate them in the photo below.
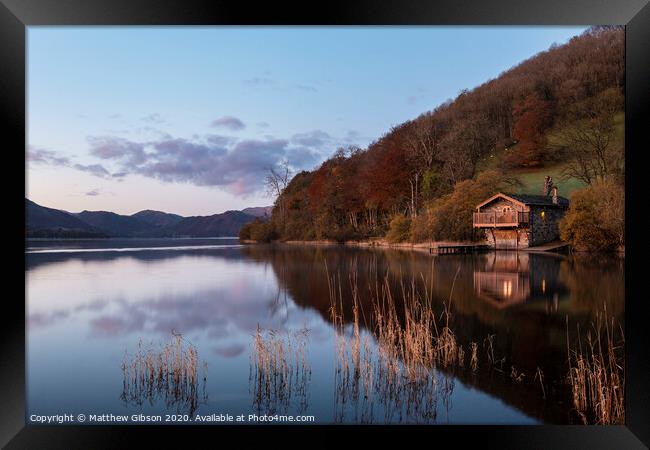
{"type": "Point", "coordinates": [189, 120]}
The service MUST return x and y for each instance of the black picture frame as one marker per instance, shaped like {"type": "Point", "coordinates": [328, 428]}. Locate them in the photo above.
{"type": "Point", "coordinates": [16, 15]}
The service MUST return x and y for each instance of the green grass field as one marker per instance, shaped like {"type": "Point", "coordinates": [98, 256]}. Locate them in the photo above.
{"type": "Point", "coordinates": [533, 179]}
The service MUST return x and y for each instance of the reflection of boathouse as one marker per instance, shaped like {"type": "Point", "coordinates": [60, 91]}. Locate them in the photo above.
{"type": "Point", "coordinates": [511, 278]}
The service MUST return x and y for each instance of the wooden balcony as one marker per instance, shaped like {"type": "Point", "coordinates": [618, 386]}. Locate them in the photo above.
{"type": "Point", "coordinates": [500, 219]}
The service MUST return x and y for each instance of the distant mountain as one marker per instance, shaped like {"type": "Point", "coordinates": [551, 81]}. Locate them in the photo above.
{"type": "Point", "coordinates": [258, 211]}
{"type": "Point", "coordinates": [115, 224]}
{"type": "Point", "coordinates": [48, 222]}
{"type": "Point", "coordinates": [157, 218]}
{"type": "Point", "coordinates": [217, 225]}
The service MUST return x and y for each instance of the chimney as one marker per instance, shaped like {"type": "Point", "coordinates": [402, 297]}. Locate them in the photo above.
{"type": "Point", "coordinates": [554, 191]}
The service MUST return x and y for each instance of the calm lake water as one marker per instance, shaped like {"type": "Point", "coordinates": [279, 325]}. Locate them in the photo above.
{"type": "Point", "coordinates": [91, 302]}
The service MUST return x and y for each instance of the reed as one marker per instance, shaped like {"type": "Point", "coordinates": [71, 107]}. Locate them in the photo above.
{"type": "Point", "coordinates": [539, 375]}
{"type": "Point", "coordinates": [516, 375]}
{"type": "Point", "coordinates": [167, 371]}
{"type": "Point", "coordinates": [596, 371]}
{"type": "Point", "coordinates": [473, 363]}
{"type": "Point", "coordinates": [280, 373]}
{"type": "Point", "coordinates": [398, 373]}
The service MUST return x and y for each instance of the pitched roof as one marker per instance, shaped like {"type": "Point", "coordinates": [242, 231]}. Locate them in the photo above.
{"type": "Point", "coordinates": [539, 200]}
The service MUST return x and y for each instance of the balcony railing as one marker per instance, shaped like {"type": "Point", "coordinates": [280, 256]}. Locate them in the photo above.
{"type": "Point", "coordinates": [501, 219]}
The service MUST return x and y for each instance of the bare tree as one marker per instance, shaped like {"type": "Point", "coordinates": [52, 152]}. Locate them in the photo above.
{"type": "Point", "coordinates": [276, 182]}
{"type": "Point", "coordinates": [592, 155]}
{"type": "Point", "coordinates": [422, 146]}
{"type": "Point", "coordinates": [590, 141]}
{"type": "Point", "coordinates": [277, 179]}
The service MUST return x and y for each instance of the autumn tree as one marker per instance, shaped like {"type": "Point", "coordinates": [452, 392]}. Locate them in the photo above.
{"type": "Point", "coordinates": [596, 218]}
{"type": "Point", "coordinates": [533, 116]}
{"type": "Point", "coordinates": [450, 216]}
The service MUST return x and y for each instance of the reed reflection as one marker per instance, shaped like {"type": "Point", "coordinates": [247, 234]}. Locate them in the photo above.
{"type": "Point", "coordinates": [168, 373]}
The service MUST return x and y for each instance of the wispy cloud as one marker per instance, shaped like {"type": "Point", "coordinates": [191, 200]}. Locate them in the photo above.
{"type": "Point", "coordinates": [258, 81]}
{"type": "Point", "coordinates": [43, 156]}
{"type": "Point", "coordinates": [109, 147]}
{"type": "Point", "coordinates": [266, 81]}
{"type": "Point", "coordinates": [419, 94]}
{"type": "Point", "coordinates": [52, 158]}
{"type": "Point", "coordinates": [305, 87]}
{"type": "Point", "coordinates": [94, 169]}
{"type": "Point", "coordinates": [236, 166]}
{"type": "Point", "coordinates": [314, 138]}
{"type": "Point", "coordinates": [229, 122]}
{"type": "Point", "coordinates": [154, 118]}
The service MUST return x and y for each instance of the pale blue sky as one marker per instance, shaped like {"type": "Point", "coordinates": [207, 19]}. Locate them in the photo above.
{"type": "Point", "coordinates": [186, 119]}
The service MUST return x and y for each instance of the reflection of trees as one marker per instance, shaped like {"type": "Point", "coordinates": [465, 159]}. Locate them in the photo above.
{"type": "Point", "coordinates": [529, 335]}
{"type": "Point", "coordinates": [595, 280]}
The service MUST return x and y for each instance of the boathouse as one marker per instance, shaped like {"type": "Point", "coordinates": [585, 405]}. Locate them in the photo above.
{"type": "Point", "coordinates": [512, 221]}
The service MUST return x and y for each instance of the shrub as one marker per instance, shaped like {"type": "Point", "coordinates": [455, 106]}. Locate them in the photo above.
{"type": "Point", "coordinates": [399, 230]}
{"type": "Point", "coordinates": [258, 230]}
{"type": "Point", "coordinates": [245, 232]}
{"type": "Point", "coordinates": [450, 216]}
{"type": "Point", "coordinates": [595, 220]}
{"type": "Point", "coordinates": [421, 227]}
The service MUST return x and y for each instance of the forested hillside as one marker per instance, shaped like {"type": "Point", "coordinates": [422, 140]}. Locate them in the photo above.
{"type": "Point", "coordinates": [559, 111]}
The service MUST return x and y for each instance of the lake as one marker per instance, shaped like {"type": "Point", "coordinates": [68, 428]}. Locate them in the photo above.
{"type": "Point", "coordinates": [100, 311]}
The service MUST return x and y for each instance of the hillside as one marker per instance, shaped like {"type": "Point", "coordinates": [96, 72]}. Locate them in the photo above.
{"type": "Point", "coordinates": [46, 222]}
{"type": "Point", "coordinates": [558, 113]}
{"type": "Point", "coordinates": [217, 225]}
{"type": "Point", "coordinates": [259, 211]}
{"type": "Point", "coordinates": [114, 224]}
{"type": "Point", "coordinates": [157, 218]}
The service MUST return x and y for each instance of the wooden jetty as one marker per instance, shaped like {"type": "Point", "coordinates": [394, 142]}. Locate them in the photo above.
{"type": "Point", "coordinates": [461, 248]}
{"type": "Point", "coordinates": [455, 249]}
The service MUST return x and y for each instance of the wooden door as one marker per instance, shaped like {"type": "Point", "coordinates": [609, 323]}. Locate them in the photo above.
{"type": "Point", "coordinates": [506, 239]}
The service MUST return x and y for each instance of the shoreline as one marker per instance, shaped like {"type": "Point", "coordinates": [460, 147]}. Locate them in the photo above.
{"type": "Point", "coordinates": [424, 247]}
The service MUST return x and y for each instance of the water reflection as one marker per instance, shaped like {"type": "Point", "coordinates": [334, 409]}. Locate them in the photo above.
{"type": "Point", "coordinates": [514, 278]}
{"type": "Point", "coordinates": [167, 373]}
{"type": "Point", "coordinates": [528, 334]}
{"type": "Point", "coordinates": [96, 304]}
{"type": "Point", "coordinates": [279, 372]}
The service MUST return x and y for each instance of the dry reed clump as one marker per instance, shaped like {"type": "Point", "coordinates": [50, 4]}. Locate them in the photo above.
{"type": "Point", "coordinates": [280, 373]}
{"type": "Point", "coordinates": [596, 372]}
{"type": "Point", "coordinates": [169, 372]}
{"type": "Point", "coordinates": [399, 376]}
